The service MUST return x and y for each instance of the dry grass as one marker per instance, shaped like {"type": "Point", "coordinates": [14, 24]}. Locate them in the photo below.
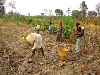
{"type": "Point", "coordinates": [13, 49]}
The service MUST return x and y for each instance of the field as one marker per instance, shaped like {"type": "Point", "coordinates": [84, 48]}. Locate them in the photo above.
{"type": "Point", "coordinates": [14, 52]}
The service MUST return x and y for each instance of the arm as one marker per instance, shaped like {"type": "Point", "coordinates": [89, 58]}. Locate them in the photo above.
{"type": "Point", "coordinates": [77, 33]}
{"type": "Point", "coordinates": [33, 45]}
{"type": "Point", "coordinates": [34, 41]}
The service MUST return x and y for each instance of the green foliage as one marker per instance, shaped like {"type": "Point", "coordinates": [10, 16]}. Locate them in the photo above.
{"type": "Point", "coordinates": [54, 28]}
{"type": "Point", "coordinates": [68, 26]}
{"type": "Point", "coordinates": [43, 21]}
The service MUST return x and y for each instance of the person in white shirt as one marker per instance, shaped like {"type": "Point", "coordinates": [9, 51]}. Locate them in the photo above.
{"type": "Point", "coordinates": [35, 39]}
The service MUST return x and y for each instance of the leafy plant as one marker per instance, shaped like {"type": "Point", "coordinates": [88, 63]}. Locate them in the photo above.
{"type": "Point", "coordinates": [69, 26]}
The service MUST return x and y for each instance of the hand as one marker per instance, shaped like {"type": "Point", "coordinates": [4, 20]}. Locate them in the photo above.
{"type": "Point", "coordinates": [32, 48]}
{"type": "Point", "coordinates": [77, 33]}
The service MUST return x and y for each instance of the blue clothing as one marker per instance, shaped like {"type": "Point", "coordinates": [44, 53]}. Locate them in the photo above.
{"type": "Point", "coordinates": [50, 29]}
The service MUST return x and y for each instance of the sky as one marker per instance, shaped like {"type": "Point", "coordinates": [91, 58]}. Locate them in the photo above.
{"type": "Point", "coordinates": [35, 7]}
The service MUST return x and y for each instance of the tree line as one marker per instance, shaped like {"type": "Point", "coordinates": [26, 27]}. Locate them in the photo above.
{"type": "Point", "coordinates": [59, 12]}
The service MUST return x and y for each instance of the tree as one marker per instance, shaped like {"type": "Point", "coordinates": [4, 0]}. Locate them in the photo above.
{"type": "Point", "coordinates": [2, 8]}
{"type": "Point", "coordinates": [76, 13]}
{"type": "Point", "coordinates": [83, 9]}
{"type": "Point", "coordinates": [42, 14]}
{"type": "Point", "coordinates": [50, 12]}
{"type": "Point", "coordinates": [2, 2]}
{"type": "Point", "coordinates": [59, 12]}
{"type": "Point", "coordinates": [12, 5]}
{"type": "Point", "coordinates": [92, 13]}
{"type": "Point", "coordinates": [98, 9]}
{"type": "Point", "coordinates": [45, 11]}
{"type": "Point", "coordinates": [14, 13]}
{"type": "Point", "coordinates": [68, 11]}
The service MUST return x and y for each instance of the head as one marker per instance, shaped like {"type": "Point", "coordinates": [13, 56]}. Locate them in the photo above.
{"type": "Point", "coordinates": [77, 24]}
{"type": "Point", "coordinates": [50, 22]}
{"type": "Point", "coordinates": [37, 31]}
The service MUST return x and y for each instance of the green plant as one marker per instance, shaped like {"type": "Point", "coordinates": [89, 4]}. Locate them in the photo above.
{"type": "Point", "coordinates": [68, 26]}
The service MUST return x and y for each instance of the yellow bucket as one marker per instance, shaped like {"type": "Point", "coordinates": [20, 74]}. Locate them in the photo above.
{"type": "Point", "coordinates": [62, 53]}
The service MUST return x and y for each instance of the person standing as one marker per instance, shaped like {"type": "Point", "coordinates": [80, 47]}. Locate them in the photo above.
{"type": "Point", "coordinates": [79, 35]}
{"type": "Point", "coordinates": [50, 28]}
{"type": "Point", "coordinates": [60, 32]}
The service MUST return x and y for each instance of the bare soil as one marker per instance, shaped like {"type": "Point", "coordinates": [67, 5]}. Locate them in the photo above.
{"type": "Point", "coordinates": [14, 61]}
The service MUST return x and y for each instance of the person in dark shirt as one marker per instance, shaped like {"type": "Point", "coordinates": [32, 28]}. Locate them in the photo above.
{"type": "Point", "coordinates": [79, 31]}
{"type": "Point", "coordinates": [60, 32]}
{"type": "Point", "coordinates": [79, 34]}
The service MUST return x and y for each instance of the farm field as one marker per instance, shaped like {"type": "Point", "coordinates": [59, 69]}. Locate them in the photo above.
{"type": "Point", "coordinates": [14, 51]}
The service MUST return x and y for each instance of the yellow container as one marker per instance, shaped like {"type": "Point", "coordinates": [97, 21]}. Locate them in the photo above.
{"type": "Point", "coordinates": [62, 54]}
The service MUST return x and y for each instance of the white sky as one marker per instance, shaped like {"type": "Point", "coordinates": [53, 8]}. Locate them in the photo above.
{"type": "Point", "coordinates": [35, 7]}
